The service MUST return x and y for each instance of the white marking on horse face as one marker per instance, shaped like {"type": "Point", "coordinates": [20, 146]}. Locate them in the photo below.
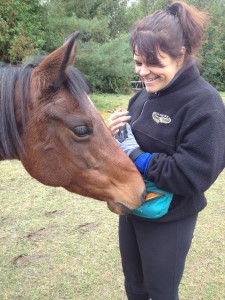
{"type": "Point", "coordinates": [91, 101]}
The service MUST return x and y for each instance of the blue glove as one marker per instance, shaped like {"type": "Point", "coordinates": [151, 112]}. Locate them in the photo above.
{"type": "Point", "coordinates": [142, 161]}
{"type": "Point", "coordinates": [129, 145]}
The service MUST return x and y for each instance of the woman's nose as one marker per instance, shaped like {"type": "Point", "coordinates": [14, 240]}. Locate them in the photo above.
{"type": "Point", "coordinates": [144, 70]}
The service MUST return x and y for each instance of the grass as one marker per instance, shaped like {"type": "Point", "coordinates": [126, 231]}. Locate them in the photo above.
{"type": "Point", "coordinates": [56, 245]}
{"type": "Point", "coordinates": [223, 95]}
{"type": "Point", "coordinates": [107, 103]}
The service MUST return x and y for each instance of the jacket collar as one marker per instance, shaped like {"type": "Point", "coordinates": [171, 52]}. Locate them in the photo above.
{"type": "Point", "coordinates": [182, 78]}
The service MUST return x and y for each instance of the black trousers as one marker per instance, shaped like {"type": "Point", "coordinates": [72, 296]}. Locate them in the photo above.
{"type": "Point", "coordinates": [153, 256]}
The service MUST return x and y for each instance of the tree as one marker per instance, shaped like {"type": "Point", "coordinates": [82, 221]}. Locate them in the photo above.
{"type": "Point", "coordinates": [213, 50]}
{"type": "Point", "coordinates": [21, 29]}
{"type": "Point", "coordinates": [109, 66]}
{"type": "Point", "coordinates": [97, 20]}
{"type": "Point", "coordinates": [104, 53]}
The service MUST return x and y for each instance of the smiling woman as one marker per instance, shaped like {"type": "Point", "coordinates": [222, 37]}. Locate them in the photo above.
{"type": "Point", "coordinates": [157, 76]}
{"type": "Point", "coordinates": [176, 138]}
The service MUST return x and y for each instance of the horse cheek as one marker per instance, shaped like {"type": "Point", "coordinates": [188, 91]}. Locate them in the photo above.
{"type": "Point", "coordinates": [44, 164]}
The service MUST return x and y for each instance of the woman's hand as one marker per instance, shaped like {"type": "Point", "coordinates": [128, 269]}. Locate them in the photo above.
{"type": "Point", "coordinates": [119, 118]}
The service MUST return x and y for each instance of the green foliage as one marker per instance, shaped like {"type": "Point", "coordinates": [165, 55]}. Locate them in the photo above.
{"type": "Point", "coordinates": [213, 51]}
{"type": "Point", "coordinates": [115, 11]}
{"type": "Point", "coordinates": [108, 66]}
{"type": "Point", "coordinates": [141, 8]}
{"type": "Point", "coordinates": [21, 23]}
{"type": "Point", "coordinates": [90, 30]}
{"type": "Point", "coordinates": [104, 55]}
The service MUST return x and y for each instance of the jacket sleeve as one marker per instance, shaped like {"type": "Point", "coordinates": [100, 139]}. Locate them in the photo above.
{"type": "Point", "coordinates": [198, 160]}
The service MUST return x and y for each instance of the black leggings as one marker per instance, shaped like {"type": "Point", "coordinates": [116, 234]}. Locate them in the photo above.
{"type": "Point", "coordinates": [153, 256]}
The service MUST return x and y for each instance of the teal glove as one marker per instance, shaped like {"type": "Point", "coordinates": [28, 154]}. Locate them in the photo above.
{"type": "Point", "coordinates": [155, 208]}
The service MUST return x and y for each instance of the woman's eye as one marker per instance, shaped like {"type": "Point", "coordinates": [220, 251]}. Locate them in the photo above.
{"type": "Point", "coordinates": [82, 131]}
{"type": "Point", "coordinates": [138, 64]}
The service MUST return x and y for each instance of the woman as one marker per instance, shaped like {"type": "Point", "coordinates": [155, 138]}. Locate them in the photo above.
{"type": "Point", "coordinates": [177, 142]}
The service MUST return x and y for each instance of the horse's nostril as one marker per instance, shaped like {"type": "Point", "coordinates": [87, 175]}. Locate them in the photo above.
{"type": "Point", "coordinates": [125, 209]}
{"type": "Point", "coordinates": [143, 196]}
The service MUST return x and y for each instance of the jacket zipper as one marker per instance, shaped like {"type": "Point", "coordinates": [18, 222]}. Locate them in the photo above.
{"type": "Point", "coordinates": [132, 124]}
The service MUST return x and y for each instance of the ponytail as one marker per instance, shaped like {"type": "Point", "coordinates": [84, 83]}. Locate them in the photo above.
{"type": "Point", "coordinates": [192, 22]}
{"type": "Point", "coordinates": [179, 25]}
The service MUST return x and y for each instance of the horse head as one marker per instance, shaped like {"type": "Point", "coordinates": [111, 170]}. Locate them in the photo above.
{"type": "Point", "coordinates": [65, 140]}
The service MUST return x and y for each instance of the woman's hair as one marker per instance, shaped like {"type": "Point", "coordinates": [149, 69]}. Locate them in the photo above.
{"type": "Point", "coordinates": [168, 30]}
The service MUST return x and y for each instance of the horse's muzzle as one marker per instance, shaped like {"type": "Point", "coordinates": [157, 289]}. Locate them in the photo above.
{"type": "Point", "coordinates": [126, 210]}
{"type": "Point", "coordinates": [143, 196]}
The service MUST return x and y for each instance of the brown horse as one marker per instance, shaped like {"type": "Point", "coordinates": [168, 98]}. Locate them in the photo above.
{"type": "Point", "coordinates": [49, 123]}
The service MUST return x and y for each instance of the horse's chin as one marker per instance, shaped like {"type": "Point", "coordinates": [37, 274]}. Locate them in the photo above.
{"type": "Point", "coordinates": [118, 208]}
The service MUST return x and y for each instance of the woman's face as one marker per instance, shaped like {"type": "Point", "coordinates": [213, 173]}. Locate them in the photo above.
{"type": "Point", "coordinates": [157, 77]}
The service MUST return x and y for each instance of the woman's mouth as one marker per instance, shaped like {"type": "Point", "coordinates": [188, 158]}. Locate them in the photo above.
{"type": "Point", "coordinates": [151, 80]}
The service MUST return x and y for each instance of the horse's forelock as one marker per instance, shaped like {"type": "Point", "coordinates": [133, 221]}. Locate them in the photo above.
{"type": "Point", "coordinates": [11, 78]}
{"type": "Point", "coordinates": [77, 84]}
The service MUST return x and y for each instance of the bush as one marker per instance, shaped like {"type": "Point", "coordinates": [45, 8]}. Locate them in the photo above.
{"type": "Point", "coordinates": [109, 67]}
{"type": "Point", "coordinates": [213, 52]}
{"type": "Point", "coordinates": [21, 23]}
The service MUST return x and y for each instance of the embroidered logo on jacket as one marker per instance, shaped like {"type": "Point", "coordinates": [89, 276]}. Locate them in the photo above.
{"type": "Point", "coordinates": [160, 118]}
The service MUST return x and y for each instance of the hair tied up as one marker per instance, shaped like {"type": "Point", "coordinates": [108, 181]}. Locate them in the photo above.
{"type": "Point", "coordinates": [171, 10]}
{"type": "Point", "coordinates": [32, 65]}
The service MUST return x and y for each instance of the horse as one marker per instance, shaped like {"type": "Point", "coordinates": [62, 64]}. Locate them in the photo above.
{"type": "Point", "coordinates": [50, 124]}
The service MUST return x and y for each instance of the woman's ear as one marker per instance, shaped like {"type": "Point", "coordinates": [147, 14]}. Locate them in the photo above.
{"type": "Point", "coordinates": [181, 57]}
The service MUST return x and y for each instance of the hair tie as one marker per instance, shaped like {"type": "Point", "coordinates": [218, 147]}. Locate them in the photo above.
{"type": "Point", "coordinates": [171, 10]}
{"type": "Point", "coordinates": [32, 65]}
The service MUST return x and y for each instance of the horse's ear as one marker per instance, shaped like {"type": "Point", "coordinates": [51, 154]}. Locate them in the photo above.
{"type": "Point", "coordinates": [52, 70]}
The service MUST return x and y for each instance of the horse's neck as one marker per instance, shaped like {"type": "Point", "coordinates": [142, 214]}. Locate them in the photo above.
{"type": "Point", "coordinates": [7, 155]}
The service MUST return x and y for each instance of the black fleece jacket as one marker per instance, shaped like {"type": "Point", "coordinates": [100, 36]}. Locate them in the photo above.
{"type": "Point", "coordinates": [184, 125]}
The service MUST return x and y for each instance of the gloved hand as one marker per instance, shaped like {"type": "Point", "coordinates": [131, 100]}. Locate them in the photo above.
{"type": "Point", "coordinates": [126, 139]}
{"type": "Point", "coordinates": [158, 203]}
{"type": "Point", "coordinates": [142, 161]}
{"type": "Point", "coordinates": [129, 145]}
{"type": "Point", "coordinates": [158, 206]}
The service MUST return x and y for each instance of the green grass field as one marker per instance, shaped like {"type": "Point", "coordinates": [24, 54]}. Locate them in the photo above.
{"type": "Point", "coordinates": [56, 245]}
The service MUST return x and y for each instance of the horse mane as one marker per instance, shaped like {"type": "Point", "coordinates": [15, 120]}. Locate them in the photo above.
{"type": "Point", "coordinates": [18, 77]}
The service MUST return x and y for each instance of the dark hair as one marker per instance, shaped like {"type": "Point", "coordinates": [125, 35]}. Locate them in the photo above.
{"type": "Point", "coordinates": [168, 30]}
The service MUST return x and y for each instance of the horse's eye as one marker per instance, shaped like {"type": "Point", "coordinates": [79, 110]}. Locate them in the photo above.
{"type": "Point", "coordinates": [82, 131]}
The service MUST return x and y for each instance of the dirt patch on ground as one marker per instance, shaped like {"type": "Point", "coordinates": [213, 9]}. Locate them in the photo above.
{"type": "Point", "coordinates": [25, 259]}
{"type": "Point", "coordinates": [86, 227]}
{"type": "Point", "coordinates": [54, 213]}
{"type": "Point", "coordinates": [40, 234]}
